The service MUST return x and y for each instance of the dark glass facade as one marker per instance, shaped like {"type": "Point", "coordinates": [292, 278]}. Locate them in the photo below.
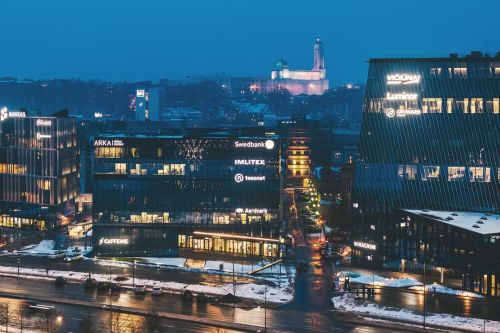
{"type": "Point", "coordinates": [38, 171]}
{"type": "Point", "coordinates": [430, 139]}
{"type": "Point", "coordinates": [183, 183]}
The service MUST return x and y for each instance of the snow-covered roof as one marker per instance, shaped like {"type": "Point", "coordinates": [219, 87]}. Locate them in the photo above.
{"type": "Point", "coordinates": [481, 223]}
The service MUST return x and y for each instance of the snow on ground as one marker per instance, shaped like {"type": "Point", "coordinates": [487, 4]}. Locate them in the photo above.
{"type": "Point", "coordinates": [179, 262]}
{"type": "Point", "coordinates": [437, 288]}
{"type": "Point", "coordinates": [380, 281]}
{"type": "Point", "coordinates": [227, 266]}
{"type": "Point", "coordinates": [45, 247]}
{"type": "Point", "coordinates": [349, 303]}
{"type": "Point", "coordinates": [247, 290]}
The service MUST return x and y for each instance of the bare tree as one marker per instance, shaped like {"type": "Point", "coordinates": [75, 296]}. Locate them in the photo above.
{"type": "Point", "coordinates": [47, 322]}
{"type": "Point", "coordinates": [152, 322]}
{"type": "Point", "coordinates": [115, 324]}
{"type": "Point", "coordinates": [87, 325]}
{"type": "Point", "coordinates": [6, 315]}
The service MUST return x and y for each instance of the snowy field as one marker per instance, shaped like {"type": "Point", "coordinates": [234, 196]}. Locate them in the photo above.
{"type": "Point", "coordinates": [350, 304]}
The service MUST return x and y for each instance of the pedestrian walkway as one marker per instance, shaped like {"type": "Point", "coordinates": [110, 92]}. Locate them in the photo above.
{"type": "Point", "coordinates": [431, 276]}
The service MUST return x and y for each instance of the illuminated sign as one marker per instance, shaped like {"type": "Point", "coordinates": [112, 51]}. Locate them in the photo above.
{"type": "Point", "coordinates": [366, 246]}
{"type": "Point", "coordinates": [391, 113]}
{"type": "Point", "coordinates": [240, 178]}
{"type": "Point", "coordinates": [396, 79]}
{"type": "Point", "coordinates": [251, 210]}
{"type": "Point", "coordinates": [249, 162]}
{"type": "Point", "coordinates": [402, 96]}
{"type": "Point", "coordinates": [108, 143]}
{"type": "Point", "coordinates": [5, 113]}
{"type": "Point", "coordinates": [97, 115]}
{"type": "Point", "coordinates": [43, 122]}
{"type": "Point", "coordinates": [113, 241]}
{"type": "Point", "coordinates": [40, 136]}
{"type": "Point", "coordinates": [268, 144]}
{"type": "Point", "coordinates": [140, 93]}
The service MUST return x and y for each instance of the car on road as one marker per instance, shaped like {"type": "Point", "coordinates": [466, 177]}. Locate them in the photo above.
{"type": "Point", "coordinates": [73, 258]}
{"type": "Point", "coordinates": [156, 291]}
{"type": "Point", "coordinates": [60, 254]}
{"type": "Point", "coordinates": [60, 281]}
{"type": "Point", "coordinates": [140, 289]}
{"type": "Point", "coordinates": [37, 307]}
{"type": "Point", "coordinates": [115, 287]}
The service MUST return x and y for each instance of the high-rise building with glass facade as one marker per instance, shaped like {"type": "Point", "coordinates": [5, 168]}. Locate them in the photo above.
{"type": "Point", "coordinates": [38, 170]}
{"type": "Point", "coordinates": [212, 190]}
{"type": "Point", "coordinates": [430, 139]}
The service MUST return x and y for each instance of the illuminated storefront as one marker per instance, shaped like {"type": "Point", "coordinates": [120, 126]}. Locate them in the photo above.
{"type": "Point", "coordinates": [199, 179]}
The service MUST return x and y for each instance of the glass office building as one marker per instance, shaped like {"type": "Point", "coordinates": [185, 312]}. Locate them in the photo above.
{"type": "Point", "coordinates": [430, 139]}
{"type": "Point", "coordinates": [155, 193]}
{"type": "Point", "coordinates": [38, 170]}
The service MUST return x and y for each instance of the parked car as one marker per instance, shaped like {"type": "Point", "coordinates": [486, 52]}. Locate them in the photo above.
{"type": "Point", "coordinates": [140, 289]}
{"type": "Point", "coordinates": [90, 283]}
{"type": "Point", "coordinates": [73, 259]}
{"type": "Point", "coordinates": [115, 287]}
{"type": "Point", "coordinates": [57, 254]}
{"type": "Point", "coordinates": [201, 298]}
{"type": "Point", "coordinates": [103, 286]}
{"type": "Point", "coordinates": [60, 281]}
{"type": "Point", "coordinates": [187, 295]}
{"type": "Point", "coordinates": [156, 291]}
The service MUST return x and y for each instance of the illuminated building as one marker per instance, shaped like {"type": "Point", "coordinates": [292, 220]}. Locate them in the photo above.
{"type": "Point", "coordinates": [149, 103]}
{"type": "Point", "coordinates": [211, 190]}
{"type": "Point", "coordinates": [309, 82]}
{"type": "Point", "coordinates": [429, 140]}
{"type": "Point", "coordinates": [306, 145]}
{"type": "Point", "coordinates": [38, 170]}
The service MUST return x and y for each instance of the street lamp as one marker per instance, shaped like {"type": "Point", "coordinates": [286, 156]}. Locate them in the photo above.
{"type": "Point", "coordinates": [59, 320]}
{"type": "Point", "coordinates": [265, 307]}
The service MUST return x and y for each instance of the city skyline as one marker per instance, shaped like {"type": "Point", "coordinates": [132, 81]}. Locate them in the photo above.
{"type": "Point", "coordinates": [117, 42]}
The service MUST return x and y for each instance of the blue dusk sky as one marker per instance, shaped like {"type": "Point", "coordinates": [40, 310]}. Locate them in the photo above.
{"type": "Point", "coordinates": [153, 39]}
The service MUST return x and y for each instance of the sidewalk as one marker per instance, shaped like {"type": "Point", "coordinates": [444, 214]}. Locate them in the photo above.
{"type": "Point", "coordinates": [430, 277]}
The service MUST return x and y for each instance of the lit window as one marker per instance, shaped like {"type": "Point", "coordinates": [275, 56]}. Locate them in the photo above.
{"type": "Point", "coordinates": [435, 71]}
{"type": "Point", "coordinates": [449, 105]}
{"type": "Point", "coordinates": [476, 105]}
{"type": "Point", "coordinates": [407, 172]}
{"type": "Point", "coordinates": [432, 105]}
{"type": "Point", "coordinates": [456, 173]}
{"type": "Point", "coordinates": [479, 174]}
{"type": "Point", "coordinates": [460, 72]}
{"type": "Point", "coordinates": [120, 168]}
{"type": "Point", "coordinates": [430, 172]}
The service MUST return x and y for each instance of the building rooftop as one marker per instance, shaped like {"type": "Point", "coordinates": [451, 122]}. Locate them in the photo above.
{"type": "Point", "coordinates": [481, 223]}
{"type": "Point", "coordinates": [474, 56]}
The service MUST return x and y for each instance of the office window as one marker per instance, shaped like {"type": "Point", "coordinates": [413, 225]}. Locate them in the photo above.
{"type": "Point", "coordinates": [449, 105]}
{"type": "Point", "coordinates": [459, 72]}
{"type": "Point", "coordinates": [476, 105]}
{"type": "Point", "coordinates": [479, 174]}
{"type": "Point", "coordinates": [496, 105]}
{"type": "Point", "coordinates": [407, 172]}
{"type": "Point", "coordinates": [463, 105]}
{"type": "Point", "coordinates": [432, 105]}
{"type": "Point", "coordinates": [120, 168]}
{"type": "Point", "coordinates": [430, 172]}
{"type": "Point", "coordinates": [456, 174]}
{"type": "Point", "coordinates": [109, 152]}
{"type": "Point", "coordinates": [435, 71]}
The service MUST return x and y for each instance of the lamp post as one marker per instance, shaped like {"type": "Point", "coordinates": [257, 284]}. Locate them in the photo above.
{"type": "Point", "coordinates": [59, 320]}
{"type": "Point", "coordinates": [265, 307]}
{"type": "Point", "coordinates": [133, 274]}
{"type": "Point", "coordinates": [18, 254]}
{"type": "Point", "coordinates": [424, 296]}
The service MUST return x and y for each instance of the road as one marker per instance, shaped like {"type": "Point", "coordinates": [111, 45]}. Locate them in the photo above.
{"type": "Point", "coordinates": [285, 319]}
{"type": "Point", "coordinates": [72, 316]}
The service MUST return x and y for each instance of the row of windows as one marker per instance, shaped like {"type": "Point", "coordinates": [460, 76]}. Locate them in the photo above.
{"type": "Point", "coordinates": [464, 72]}
{"type": "Point", "coordinates": [455, 173]}
{"type": "Point", "coordinates": [438, 105]}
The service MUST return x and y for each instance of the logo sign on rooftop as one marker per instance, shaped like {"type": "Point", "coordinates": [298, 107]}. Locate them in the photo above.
{"type": "Point", "coordinates": [364, 245]}
{"type": "Point", "coordinates": [391, 112]}
{"type": "Point", "coordinates": [239, 177]}
{"type": "Point", "coordinates": [5, 113]}
{"type": "Point", "coordinates": [268, 144]}
{"type": "Point", "coordinates": [108, 143]}
{"type": "Point", "coordinates": [397, 79]}
{"type": "Point", "coordinates": [402, 96]}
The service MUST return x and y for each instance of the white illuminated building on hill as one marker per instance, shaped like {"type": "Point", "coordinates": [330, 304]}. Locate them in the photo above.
{"type": "Point", "coordinates": [309, 82]}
